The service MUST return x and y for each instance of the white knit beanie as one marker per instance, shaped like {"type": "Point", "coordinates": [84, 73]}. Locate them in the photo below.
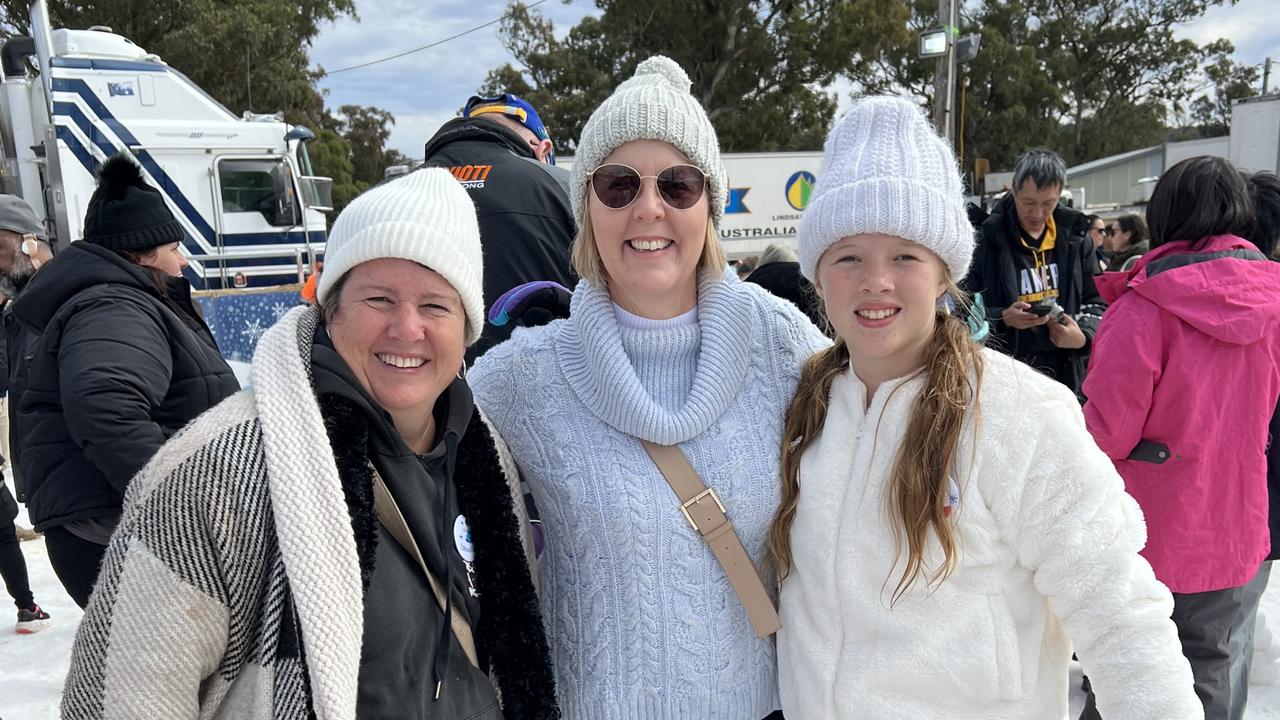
{"type": "Point", "coordinates": [654, 104]}
{"type": "Point", "coordinates": [885, 170]}
{"type": "Point", "coordinates": [425, 217]}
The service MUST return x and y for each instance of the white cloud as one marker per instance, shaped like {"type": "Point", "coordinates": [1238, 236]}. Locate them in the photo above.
{"type": "Point", "coordinates": [1250, 25]}
{"type": "Point", "coordinates": [425, 88]}
{"type": "Point", "coordinates": [411, 131]}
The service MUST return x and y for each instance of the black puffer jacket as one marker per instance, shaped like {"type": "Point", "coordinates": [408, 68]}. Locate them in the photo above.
{"type": "Point", "coordinates": [118, 370]}
{"type": "Point", "coordinates": [20, 345]}
{"type": "Point", "coordinates": [522, 205]}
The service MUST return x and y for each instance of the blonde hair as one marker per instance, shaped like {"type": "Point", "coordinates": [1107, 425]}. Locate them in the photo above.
{"type": "Point", "coordinates": [916, 498]}
{"type": "Point", "coordinates": [585, 256]}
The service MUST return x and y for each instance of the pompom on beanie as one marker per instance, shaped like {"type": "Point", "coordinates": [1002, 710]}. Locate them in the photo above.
{"type": "Point", "coordinates": [125, 212]}
{"type": "Point", "coordinates": [654, 104]}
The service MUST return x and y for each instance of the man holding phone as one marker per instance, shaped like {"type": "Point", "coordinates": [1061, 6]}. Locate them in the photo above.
{"type": "Point", "coordinates": [1034, 267]}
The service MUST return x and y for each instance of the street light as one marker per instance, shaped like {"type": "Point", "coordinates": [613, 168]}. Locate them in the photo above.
{"type": "Point", "coordinates": [933, 43]}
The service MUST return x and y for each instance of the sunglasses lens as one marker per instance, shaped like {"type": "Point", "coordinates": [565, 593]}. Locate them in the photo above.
{"type": "Point", "coordinates": [615, 185]}
{"type": "Point", "coordinates": [681, 186]}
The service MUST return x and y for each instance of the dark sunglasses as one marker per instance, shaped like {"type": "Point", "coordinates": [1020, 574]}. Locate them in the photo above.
{"type": "Point", "coordinates": [617, 186]}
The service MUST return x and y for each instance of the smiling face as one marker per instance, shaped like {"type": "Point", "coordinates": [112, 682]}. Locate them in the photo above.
{"type": "Point", "coordinates": [649, 249]}
{"type": "Point", "coordinates": [400, 328]}
{"type": "Point", "coordinates": [881, 294]}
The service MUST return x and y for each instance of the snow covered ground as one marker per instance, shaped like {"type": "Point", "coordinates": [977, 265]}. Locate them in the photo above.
{"type": "Point", "coordinates": [32, 667]}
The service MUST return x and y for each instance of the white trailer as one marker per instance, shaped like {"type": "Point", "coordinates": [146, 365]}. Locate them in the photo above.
{"type": "Point", "coordinates": [1255, 134]}
{"type": "Point", "coordinates": [767, 193]}
{"type": "Point", "coordinates": [241, 187]}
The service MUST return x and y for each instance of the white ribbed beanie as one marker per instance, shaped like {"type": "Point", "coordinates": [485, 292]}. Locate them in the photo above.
{"type": "Point", "coordinates": [654, 104]}
{"type": "Point", "coordinates": [425, 217]}
{"type": "Point", "coordinates": [885, 170]}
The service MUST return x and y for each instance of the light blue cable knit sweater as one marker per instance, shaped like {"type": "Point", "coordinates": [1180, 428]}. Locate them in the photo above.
{"type": "Point", "coordinates": [641, 620]}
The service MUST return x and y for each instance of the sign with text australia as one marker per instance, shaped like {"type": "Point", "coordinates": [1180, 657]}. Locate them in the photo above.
{"type": "Point", "coordinates": [767, 193]}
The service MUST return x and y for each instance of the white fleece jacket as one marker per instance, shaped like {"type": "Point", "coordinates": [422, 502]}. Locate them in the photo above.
{"type": "Point", "coordinates": [1049, 546]}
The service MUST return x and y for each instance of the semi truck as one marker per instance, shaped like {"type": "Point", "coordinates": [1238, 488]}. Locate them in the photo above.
{"type": "Point", "coordinates": [242, 187]}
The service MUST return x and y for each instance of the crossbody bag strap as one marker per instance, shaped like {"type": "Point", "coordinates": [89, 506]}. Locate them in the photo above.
{"type": "Point", "coordinates": [706, 514]}
{"type": "Point", "coordinates": [393, 520]}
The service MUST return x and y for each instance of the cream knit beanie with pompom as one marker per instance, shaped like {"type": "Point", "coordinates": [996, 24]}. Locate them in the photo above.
{"type": "Point", "coordinates": [654, 104]}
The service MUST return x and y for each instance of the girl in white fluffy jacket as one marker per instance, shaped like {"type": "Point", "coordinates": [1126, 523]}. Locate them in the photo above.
{"type": "Point", "coordinates": [948, 528]}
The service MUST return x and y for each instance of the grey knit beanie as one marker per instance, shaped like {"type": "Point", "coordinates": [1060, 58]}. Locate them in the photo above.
{"type": "Point", "coordinates": [425, 217]}
{"type": "Point", "coordinates": [885, 170]}
{"type": "Point", "coordinates": [654, 104]}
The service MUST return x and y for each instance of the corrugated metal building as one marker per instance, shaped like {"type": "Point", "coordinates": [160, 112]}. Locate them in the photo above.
{"type": "Point", "coordinates": [1126, 180]}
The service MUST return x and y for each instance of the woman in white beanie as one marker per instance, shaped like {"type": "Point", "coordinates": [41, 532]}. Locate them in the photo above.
{"type": "Point", "coordinates": [664, 346]}
{"type": "Point", "coordinates": [346, 539]}
{"type": "Point", "coordinates": [948, 527]}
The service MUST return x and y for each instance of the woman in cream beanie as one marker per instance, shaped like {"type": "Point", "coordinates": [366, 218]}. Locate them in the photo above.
{"type": "Point", "coordinates": [260, 562]}
{"type": "Point", "coordinates": [948, 528]}
{"type": "Point", "coordinates": [666, 347]}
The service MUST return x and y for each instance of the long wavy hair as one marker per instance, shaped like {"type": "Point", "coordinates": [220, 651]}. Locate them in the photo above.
{"type": "Point", "coordinates": [916, 500]}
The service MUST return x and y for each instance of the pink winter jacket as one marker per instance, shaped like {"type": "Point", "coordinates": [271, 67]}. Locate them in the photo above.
{"type": "Point", "coordinates": [1187, 361]}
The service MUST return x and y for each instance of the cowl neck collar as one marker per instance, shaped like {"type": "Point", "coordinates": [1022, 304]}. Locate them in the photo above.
{"type": "Point", "coordinates": [596, 365]}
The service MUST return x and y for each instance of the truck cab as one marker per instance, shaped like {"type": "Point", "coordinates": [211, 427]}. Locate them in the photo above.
{"type": "Point", "coordinates": [241, 187]}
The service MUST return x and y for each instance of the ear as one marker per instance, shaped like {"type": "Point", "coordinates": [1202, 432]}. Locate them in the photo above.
{"type": "Point", "coordinates": [542, 150]}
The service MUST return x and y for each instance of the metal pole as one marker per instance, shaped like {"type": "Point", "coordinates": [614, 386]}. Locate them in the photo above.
{"type": "Point", "coordinates": [940, 77]}
{"type": "Point", "coordinates": [950, 127]}
{"type": "Point", "coordinates": [1266, 75]}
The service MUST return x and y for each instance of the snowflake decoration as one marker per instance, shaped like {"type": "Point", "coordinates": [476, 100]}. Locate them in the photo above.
{"type": "Point", "coordinates": [279, 309]}
{"type": "Point", "coordinates": [252, 331]}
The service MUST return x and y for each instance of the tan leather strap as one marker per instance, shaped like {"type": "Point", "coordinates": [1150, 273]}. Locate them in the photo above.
{"type": "Point", "coordinates": [706, 514]}
{"type": "Point", "coordinates": [393, 520]}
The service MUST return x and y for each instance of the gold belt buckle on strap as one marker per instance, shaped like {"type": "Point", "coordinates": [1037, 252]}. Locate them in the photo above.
{"type": "Point", "coordinates": [709, 492]}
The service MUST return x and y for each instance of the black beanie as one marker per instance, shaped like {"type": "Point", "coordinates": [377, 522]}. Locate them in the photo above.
{"type": "Point", "coordinates": [125, 213]}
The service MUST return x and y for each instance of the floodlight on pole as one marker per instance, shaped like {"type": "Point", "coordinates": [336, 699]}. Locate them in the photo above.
{"type": "Point", "coordinates": [933, 43]}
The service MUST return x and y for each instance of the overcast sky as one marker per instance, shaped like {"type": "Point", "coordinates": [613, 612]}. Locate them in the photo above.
{"type": "Point", "coordinates": [426, 88]}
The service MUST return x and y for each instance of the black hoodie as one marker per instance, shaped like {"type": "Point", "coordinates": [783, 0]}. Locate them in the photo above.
{"type": "Point", "coordinates": [118, 369]}
{"type": "Point", "coordinates": [403, 624]}
{"type": "Point", "coordinates": [526, 223]}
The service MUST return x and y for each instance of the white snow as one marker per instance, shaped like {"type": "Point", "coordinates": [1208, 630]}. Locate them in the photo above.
{"type": "Point", "coordinates": [33, 667]}
{"type": "Point", "coordinates": [241, 369]}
